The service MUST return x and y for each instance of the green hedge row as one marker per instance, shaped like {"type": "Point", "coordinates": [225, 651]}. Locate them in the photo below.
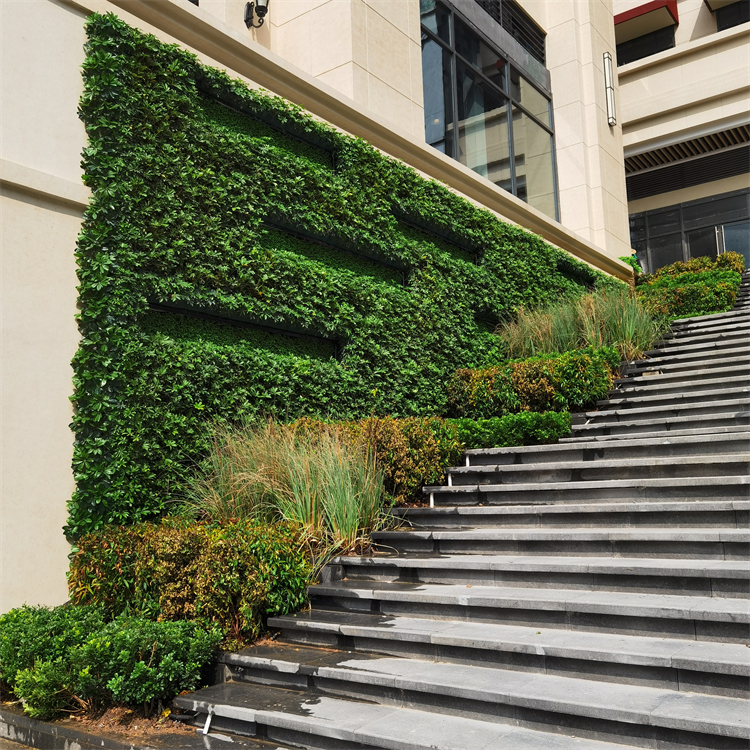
{"type": "Point", "coordinates": [240, 258]}
{"type": "Point", "coordinates": [555, 382]}
{"type": "Point", "coordinates": [72, 658]}
{"type": "Point", "coordinates": [231, 576]}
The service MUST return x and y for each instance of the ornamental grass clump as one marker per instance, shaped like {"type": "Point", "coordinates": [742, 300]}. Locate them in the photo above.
{"type": "Point", "coordinates": [324, 481]}
{"type": "Point", "coordinates": [608, 318]}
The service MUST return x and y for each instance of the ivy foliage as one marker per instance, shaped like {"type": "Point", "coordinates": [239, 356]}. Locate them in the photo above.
{"type": "Point", "coordinates": [241, 258]}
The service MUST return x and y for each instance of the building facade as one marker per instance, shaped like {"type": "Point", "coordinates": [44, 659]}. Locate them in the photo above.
{"type": "Point", "coordinates": [505, 101]}
{"type": "Point", "coordinates": [684, 71]}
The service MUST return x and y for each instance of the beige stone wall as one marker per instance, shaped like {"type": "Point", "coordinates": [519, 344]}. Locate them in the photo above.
{"type": "Point", "coordinates": [41, 144]}
{"type": "Point", "coordinates": [369, 50]}
{"type": "Point", "coordinates": [591, 174]}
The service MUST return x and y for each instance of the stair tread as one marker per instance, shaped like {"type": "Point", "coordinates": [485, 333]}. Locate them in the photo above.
{"type": "Point", "coordinates": [725, 658]}
{"type": "Point", "coordinates": [738, 434]}
{"type": "Point", "coordinates": [682, 395]}
{"type": "Point", "coordinates": [588, 534]}
{"type": "Point", "coordinates": [599, 565]}
{"type": "Point", "coordinates": [570, 600]}
{"type": "Point", "coordinates": [376, 725]}
{"type": "Point", "coordinates": [614, 507]}
{"type": "Point", "coordinates": [600, 483]}
{"type": "Point", "coordinates": [602, 463]}
{"type": "Point", "coordinates": [724, 405]}
{"type": "Point", "coordinates": [571, 695]}
{"type": "Point", "coordinates": [658, 434]}
{"type": "Point", "coordinates": [742, 413]}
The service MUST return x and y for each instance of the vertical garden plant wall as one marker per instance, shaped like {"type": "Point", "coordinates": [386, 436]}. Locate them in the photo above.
{"type": "Point", "coordinates": [240, 258]}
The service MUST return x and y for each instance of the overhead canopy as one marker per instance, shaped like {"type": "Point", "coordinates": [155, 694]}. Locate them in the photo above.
{"type": "Point", "coordinates": [714, 5]}
{"type": "Point", "coordinates": [648, 17]}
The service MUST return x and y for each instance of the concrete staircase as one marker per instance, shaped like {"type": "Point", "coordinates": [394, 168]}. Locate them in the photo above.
{"type": "Point", "coordinates": [592, 594]}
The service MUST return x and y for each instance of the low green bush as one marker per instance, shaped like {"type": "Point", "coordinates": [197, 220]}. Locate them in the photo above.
{"type": "Point", "coordinates": [232, 575]}
{"type": "Point", "coordinates": [129, 660]}
{"type": "Point", "coordinates": [526, 428]}
{"type": "Point", "coordinates": [563, 382]}
{"type": "Point", "coordinates": [690, 293]}
{"type": "Point", "coordinates": [632, 261]}
{"type": "Point", "coordinates": [724, 262]}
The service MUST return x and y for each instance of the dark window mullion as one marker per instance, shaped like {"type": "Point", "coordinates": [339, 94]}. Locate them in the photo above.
{"type": "Point", "coordinates": [454, 81]}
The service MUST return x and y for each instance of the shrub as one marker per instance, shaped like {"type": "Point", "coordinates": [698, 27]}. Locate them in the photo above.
{"type": "Point", "coordinates": [724, 262]}
{"type": "Point", "coordinates": [572, 380]}
{"type": "Point", "coordinates": [28, 634]}
{"type": "Point", "coordinates": [632, 261]}
{"type": "Point", "coordinates": [690, 293]}
{"type": "Point", "coordinates": [128, 660]}
{"type": "Point", "coordinates": [233, 575]}
{"type": "Point", "coordinates": [526, 428]}
{"type": "Point", "coordinates": [609, 318]}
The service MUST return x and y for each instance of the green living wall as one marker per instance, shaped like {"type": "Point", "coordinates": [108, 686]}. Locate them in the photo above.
{"type": "Point", "coordinates": [240, 258]}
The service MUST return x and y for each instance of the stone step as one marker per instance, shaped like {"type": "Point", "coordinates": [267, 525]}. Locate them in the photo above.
{"type": "Point", "coordinates": [658, 435]}
{"type": "Point", "coordinates": [688, 577]}
{"type": "Point", "coordinates": [688, 369]}
{"type": "Point", "coordinates": [309, 719]}
{"type": "Point", "coordinates": [687, 445]}
{"type": "Point", "coordinates": [737, 330]}
{"type": "Point", "coordinates": [695, 489]}
{"type": "Point", "coordinates": [526, 698]}
{"type": "Point", "coordinates": [687, 396]}
{"type": "Point", "coordinates": [657, 615]}
{"type": "Point", "coordinates": [625, 389]}
{"type": "Point", "coordinates": [629, 542]}
{"type": "Point", "coordinates": [713, 343]}
{"type": "Point", "coordinates": [634, 427]}
{"type": "Point", "coordinates": [634, 413]}
{"type": "Point", "coordinates": [740, 370]}
{"type": "Point", "coordinates": [702, 321]}
{"type": "Point", "coordinates": [684, 665]}
{"type": "Point", "coordinates": [727, 514]}
{"type": "Point", "coordinates": [603, 468]}
{"type": "Point", "coordinates": [691, 359]}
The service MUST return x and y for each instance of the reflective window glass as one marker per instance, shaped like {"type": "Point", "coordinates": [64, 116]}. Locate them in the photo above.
{"type": "Point", "coordinates": [437, 90]}
{"type": "Point", "coordinates": [531, 100]}
{"type": "Point", "coordinates": [476, 52]}
{"type": "Point", "coordinates": [664, 222]}
{"type": "Point", "coordinates": [665, 250]}
{"type": "Point", "coordinates": [702, 242]}
{"type": "Point", "coordinates": [637, 228]}
{"type": "Point", "coordinates": [532, 149]}
{"type": "Point", "coordinates": [737, 239]}
{"type": "Point", "coordinates": [483, 127]}
{"type": "Point", "coordinates": [435, 18]}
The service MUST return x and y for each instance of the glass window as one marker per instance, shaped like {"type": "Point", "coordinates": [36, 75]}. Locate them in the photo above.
{"type": "Point", "coordinates": [637, 228]}
{"type": "Point", "coordinates": [478, 54]}
{"type": "Point", "coordinates": [702, 242]}
{"type": "Point", "coordinates": [437, 89]}
{"type": "Point", "coordinates": [532, 152]}
{"type": "Point", "coordinates": [666, 250]}
{"type": "Point", "coordinates": [483, 127]}
{"type": "Point", "coordinates": [663, 222]}
{"type": "Point", "coordinates": [466, 83]}
{"type": "Point", "coordinates": [732, 15]}
{"type": "Point", "coordinates": [436, 18]}
{"type": "Point", "coordinates": [529, 98]}
{"type": "Point", "coordinates": [737, 239]}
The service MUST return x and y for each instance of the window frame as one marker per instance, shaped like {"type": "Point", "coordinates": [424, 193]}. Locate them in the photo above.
{"type": "Point", "coordinates": [510, 101]}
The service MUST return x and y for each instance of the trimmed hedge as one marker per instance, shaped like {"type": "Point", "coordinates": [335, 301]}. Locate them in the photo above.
{"type": "Point", "coordinates": [556, 382]}
{"type": "Point", "coordinates": [69, 658]}
{"type": "Point", "coordinates": [526, 428]}
{"type": "Point", "coordinates": [240, 258]}
{"type": "Point", "coordinates": [232, 576]}
{"type": "Point", "coordinates": [702, 286]}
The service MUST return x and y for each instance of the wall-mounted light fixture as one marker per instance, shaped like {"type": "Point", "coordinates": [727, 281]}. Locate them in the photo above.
{"type": "Point", "coordinates": [259, 7]}
{"type": "Point", "coordinates": [609, 87]}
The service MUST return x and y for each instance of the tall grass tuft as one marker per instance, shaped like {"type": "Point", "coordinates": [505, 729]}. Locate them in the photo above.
{"type": "Point", "coordinates": [324, 481]}
{"type": "Point", "coordinates": [608, 318]}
